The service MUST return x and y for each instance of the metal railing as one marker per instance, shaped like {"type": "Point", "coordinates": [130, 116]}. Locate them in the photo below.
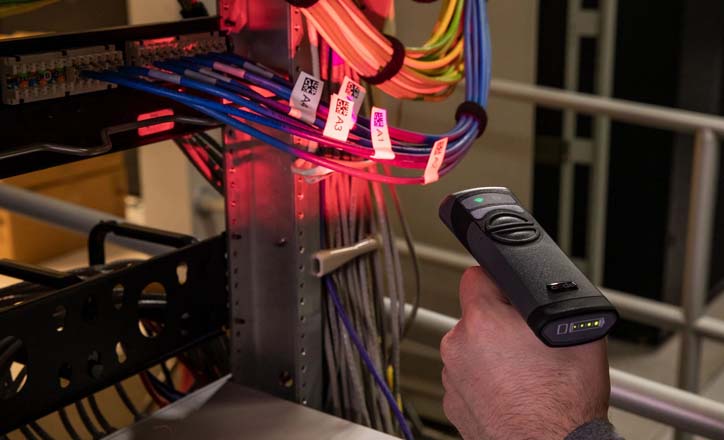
{"type": "Point", "coordinates": [702, 199]}
{"type": "Point", "coordinates": [689, 319]}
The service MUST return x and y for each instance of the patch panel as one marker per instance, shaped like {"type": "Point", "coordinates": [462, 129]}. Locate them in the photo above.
{"type": "Point", "coordinates": [37, 77]}
{"type": "Point", "coordinates": [144, 52]}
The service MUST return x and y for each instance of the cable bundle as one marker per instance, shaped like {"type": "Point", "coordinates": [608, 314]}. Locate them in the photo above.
{"type": "Point", "coordinates": [361, 340]}
{"type": "Point", "coordinates": [252, 94]}
{"type": "Point", "coordinates": [428, 72]}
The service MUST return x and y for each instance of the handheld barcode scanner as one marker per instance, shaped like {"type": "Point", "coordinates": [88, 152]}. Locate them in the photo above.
{"type": "Point", "coordinates": [558, 302]}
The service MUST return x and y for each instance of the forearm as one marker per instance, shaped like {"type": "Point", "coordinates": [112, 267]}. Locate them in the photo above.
{"type": "Point", "coordinates": [595, 430]}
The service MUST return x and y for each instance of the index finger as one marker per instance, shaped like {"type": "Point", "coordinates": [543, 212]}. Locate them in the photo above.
{"type": "Point", "coordinates": [477, 288]}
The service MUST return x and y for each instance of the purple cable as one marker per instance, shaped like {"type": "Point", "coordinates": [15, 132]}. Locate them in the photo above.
{"type": "Point", "coordinates": [332, 291]}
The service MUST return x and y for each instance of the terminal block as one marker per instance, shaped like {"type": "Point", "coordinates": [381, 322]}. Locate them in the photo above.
{"type": "Point", "coordinates": [41, 76]}
{"type": "Point", "coordinates": [144, 52]}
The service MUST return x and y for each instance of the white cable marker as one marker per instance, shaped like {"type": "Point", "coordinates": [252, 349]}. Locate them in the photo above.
{"type": "Point", "coordinates": [380, 134]}
{"type": "Point", "coordinates": [217, 75]}
{"type": "Point", "coordinates": [354, 92]}
{"type": "Point", "coordinates": [306, 94]}
{"type": "Point", "coordinates": [437, 156]}
{"type": "Point", "coordinates": [199, 76]}
{"type": "Point", "coordinates": [163, 76]}
{"type": "Point", "coordinates": [233, 71]}
{"type": "Point", "coordinates": [339, 119]}
{"type": "Point", "coordinates": [258, 70]}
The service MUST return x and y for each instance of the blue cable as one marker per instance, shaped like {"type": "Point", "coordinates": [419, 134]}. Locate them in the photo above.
{"type": "Point", "coordinates": [269, 119]}
{"type": "Point", "coordinates": [362, 130]}
{"type": "Point", "coordinates": [332, 292]}
{"type": "Point", "coordinates": [163, 389]}
{"type": "Point", "coordinates": [477, 86]}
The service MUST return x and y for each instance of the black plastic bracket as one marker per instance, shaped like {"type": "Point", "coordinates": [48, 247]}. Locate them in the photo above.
{"type": "Point", "coordinates": [36, 274]}
{"type": "Point", "coordinates": [97, 238]}
{"type": "Point", "coordinates": [85, 337]}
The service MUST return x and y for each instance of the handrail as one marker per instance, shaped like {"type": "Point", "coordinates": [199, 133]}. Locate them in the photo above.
{"type": "Point", "coordinates": [630, 306]}
{"type": "Point", "coordinates": [622, 110]}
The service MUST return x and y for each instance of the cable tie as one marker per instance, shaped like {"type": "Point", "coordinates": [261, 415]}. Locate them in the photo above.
{"type": "Point", "coordinates": [393, 66]}
{"type": "Point", "coordinates": [302, 3]}
{"type": "Point", "coordinates": [475, 110]}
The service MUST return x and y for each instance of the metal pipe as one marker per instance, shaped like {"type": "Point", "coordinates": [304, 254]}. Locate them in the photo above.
{"type": "Point", "coordinates": [618, 109]}
{"type": "Point", "coordinates": [680, 409]}
{"type": "Point", "coordinates": [674, 407]}
{"type": "Point", "coordinates": [646, 311]}
{"type": "Point", "coordinates": [567, 168]}
{"type": "Point", "coordinates": [702, 201]}
{"type": "Point", "coordinates": [630, 306]}
{"type": "Point", "coordinates": [598, 204]}
{"type": "Point", "coordinates": [67, 215]}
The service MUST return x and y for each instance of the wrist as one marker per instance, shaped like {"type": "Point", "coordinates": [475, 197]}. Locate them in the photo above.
{"type": "Point", "coordinates": [599, 429]}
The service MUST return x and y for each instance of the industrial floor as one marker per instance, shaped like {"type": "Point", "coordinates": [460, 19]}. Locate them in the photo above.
{"type": "Point", "coordinates": [659, 364]}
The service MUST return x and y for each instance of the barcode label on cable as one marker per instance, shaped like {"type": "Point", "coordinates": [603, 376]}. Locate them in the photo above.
{"type": "Point", "coordinates": [339, 119]}
{"type": "Point", "coordinates": [305, 98]}
{"type": "Point", "coordinates": [437, 156]}
{"type": "Point", "coordinates": [380, 134]}
{"type": "Point", "coordinates": [354, 92]}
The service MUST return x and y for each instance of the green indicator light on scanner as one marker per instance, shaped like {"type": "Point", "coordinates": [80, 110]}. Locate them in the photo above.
{"type": "Point", "coordinates": [479, 199]}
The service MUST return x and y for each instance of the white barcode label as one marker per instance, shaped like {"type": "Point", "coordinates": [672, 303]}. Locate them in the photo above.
{"type": "Point", "coordinates": [339, 119]}
{"type": "Point", "coordinates": [380, 134]}
{"type": "Point", "coordinates": [437, 156]}
{"type": "Point", "coordinates": [305, 98]}
{"type": "Point", "coordinates": [354, 92]}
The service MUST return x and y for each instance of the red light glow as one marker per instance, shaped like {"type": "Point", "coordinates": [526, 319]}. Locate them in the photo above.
{"type": "Point", "coordinates": [164, 40]}
{"type": "Point", "coordinates": [156, 128]}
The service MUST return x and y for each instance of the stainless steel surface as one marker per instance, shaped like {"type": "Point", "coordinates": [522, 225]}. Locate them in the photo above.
{"type": "Point", "coordinates": [67, 215]}
{"type": "Point", "coordinates": [225, 410]}
{"type": "Point", "coordinates": [273, 229]}
{"type": "Point", "coordinates": [702, 204]}
{"type": "Point", "coordinates": [681, 409]}
{"type": "Point", "coordinates": [275, 302]}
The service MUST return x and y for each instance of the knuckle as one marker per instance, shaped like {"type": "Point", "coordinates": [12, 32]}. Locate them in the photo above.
{"type": "Point", "coordinates": [445, 379]}
{"type": "Point", "coordinates": [448, 346]}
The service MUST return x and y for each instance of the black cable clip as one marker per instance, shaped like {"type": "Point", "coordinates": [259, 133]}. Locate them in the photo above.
{"type": "Point", "coordinates": [392, 67]}
{"type": "Point", "coordinates": [475, 110]}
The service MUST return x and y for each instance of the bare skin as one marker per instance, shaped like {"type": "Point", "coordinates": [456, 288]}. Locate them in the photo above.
{"type": "Point", "coordinates": [502, 383]}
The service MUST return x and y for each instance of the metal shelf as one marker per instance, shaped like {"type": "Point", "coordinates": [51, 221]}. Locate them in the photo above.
{"type": "Point", "coordinates": [225, 410]}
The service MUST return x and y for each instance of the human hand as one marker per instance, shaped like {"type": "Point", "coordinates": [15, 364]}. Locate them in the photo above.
{"type": "Point", "coordinates": [502, 383]}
